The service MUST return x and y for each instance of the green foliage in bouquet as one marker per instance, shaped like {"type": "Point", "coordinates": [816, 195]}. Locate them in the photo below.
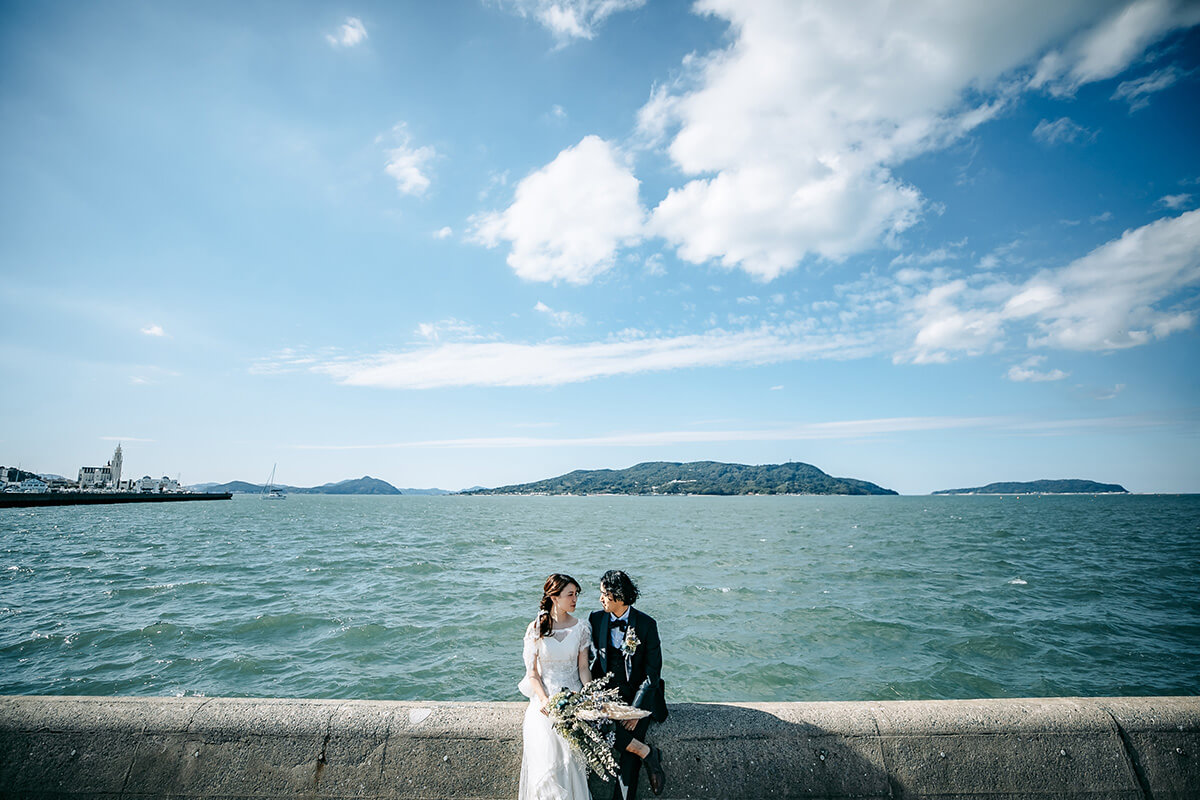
{"type": "Point", "coordinates": [584, 719]}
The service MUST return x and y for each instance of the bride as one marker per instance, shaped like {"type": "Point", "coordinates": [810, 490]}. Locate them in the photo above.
{"type": "Point", "coordinates": [556, 656]}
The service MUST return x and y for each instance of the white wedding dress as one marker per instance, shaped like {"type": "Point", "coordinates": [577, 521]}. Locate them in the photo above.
{"type": "Point", "coordinates": [550, 769]}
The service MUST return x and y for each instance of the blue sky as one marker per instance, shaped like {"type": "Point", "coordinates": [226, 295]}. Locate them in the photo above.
{"type": "Point", "coordinates": [462, 243]}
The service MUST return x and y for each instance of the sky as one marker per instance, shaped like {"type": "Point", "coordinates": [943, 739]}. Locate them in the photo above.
{"type": "Point", "coordinates": [479, 242]}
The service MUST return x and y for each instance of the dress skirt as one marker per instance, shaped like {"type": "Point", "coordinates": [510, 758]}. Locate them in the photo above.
{"type": "Point", "coordinates": [550, 768]}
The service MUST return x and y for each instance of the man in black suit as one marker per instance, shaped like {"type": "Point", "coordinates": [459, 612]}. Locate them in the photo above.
{"type": "Point", "coordinates": [625, 643]}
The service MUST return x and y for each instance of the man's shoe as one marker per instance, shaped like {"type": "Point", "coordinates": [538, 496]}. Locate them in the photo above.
{"type": "Point", "coordinates": [654, 771]}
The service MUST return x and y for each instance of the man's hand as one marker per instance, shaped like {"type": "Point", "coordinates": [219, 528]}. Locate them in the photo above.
{"type": "Point", "coordinates": [629, 724]}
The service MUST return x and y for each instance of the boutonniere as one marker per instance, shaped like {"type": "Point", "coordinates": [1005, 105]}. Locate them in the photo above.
{"type": "Point", "coordinates": [630, 644]}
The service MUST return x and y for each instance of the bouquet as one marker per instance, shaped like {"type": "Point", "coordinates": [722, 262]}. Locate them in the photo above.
{"type": "Point", "coordinates": [584, 719]}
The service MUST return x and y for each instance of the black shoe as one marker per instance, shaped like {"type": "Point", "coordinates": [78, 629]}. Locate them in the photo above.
{"type": "Point", "coordinates": [654, 771]}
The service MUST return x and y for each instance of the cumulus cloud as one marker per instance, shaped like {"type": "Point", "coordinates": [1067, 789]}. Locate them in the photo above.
{"type": "Point", "coordinates": [789, 136]}
{"type": "Point", "coordinates": [571, 19]}
{"type": "Point", "coordinates": [351, 33]}
{"type": "Point", "coordinates": [408, 165]}
{"type": "Point", "coordinates": [443, 233]}
{"type": "Point", "coordinates": [1120, 295]}
{"type": "Point", "coordinates": [568, 219]}
{"type": "Point", "coordinates": [1026, 371]}
{"type": "Point", "coordinates": [154, 330]}
{"type": "Point", "coordinates": [1061, 130]}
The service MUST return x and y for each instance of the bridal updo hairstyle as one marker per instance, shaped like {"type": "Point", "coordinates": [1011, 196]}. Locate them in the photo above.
{"type": "Point", "coordinates": [554, 585]}
{"type": "Point", "coordinates": [619, 586]}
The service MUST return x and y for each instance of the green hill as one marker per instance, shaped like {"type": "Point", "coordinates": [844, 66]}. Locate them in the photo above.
{"type": "Point", "coordinates": [696, 477]}
{"type": "Point", "coordinates": [363, 485]}
{"type": "Point", "coordinates": [1069, 486]}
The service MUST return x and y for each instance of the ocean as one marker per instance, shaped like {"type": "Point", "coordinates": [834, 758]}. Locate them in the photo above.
{"type": "Point", "coordinates": [757, 598]}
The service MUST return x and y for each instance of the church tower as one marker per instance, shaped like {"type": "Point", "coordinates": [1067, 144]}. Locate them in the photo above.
{"type": "Point", "coordinates": [116, 468]}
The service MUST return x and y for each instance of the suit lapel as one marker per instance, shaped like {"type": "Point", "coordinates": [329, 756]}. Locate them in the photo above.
{"type": "Point", "coordinates": [602, 641]}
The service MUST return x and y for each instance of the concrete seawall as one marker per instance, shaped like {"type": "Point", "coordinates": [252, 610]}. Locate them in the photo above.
{"type": "Point", "coordinates": [94, 747]}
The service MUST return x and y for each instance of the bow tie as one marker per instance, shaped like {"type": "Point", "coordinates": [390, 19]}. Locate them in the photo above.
{"type": "Point", "coordinates": [620, 624]}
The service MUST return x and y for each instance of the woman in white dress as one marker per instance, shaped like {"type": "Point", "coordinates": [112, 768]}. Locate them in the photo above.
{"type": "Point", "coordinates": [556, 656]}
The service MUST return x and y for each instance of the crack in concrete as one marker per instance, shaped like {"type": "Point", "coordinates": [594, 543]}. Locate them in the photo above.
{"type": "Point", "coordinates": [387, 739]}
{"type": "Point", "coordinates": [1131, 757]}
{"type": "Point", "coordinates": [192, 718]}
{"type": "Point", "coordinates": [894, 788]}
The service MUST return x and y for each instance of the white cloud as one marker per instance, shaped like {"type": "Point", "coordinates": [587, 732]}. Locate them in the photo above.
{"type": "Point", "coordinates": [408, 165]}
{"type": "Point", "coordinates": [563, 319]}
{"type": "Point", "coordinates": [789, 137]}
{"type": "Point", "coordinates": [1025, 371]}
{"type": "Point", "coordinates": [568, 218]}
{"type": "Point", "coordinates": [154, 330]}
{"type": "Point", "coordinates": [448, 328]}
{"type": "Point", "coordinates": [571, 19]}
{"type": "Point", "coordinates": [1137, 92]}
{"type": "Point", "coordinates": [552, 363]}
{"type": "Point", "coordinates": [351, 33]}
{"type": "Point", "coordinates": [816, 431]}
{"type": "Point", "coordinates": [1175, 201]}
{"type": "Point", "coordinates": [1108, 46]}
{"type": "Point", "coordinates": [1061, 130]}
{"type": "Point", "coordinates": [1117, 296]}
{"type": "Point", "coordinates": [443, 233]}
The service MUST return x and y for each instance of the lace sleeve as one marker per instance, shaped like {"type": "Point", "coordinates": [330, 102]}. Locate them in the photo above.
{"type": "Point", "coordinates": [529, 656]}
{"type": "Point", "coordinates": [585, 635]}
{"type": "Point", "coordinates": [529, 647]}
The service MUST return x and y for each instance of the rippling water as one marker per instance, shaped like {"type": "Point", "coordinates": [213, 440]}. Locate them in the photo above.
{"type": "Point", "coordinates": [757, 598]}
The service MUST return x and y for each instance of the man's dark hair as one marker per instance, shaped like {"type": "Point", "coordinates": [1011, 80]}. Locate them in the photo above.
{"type": "Point", "coordinates": [619, 586]}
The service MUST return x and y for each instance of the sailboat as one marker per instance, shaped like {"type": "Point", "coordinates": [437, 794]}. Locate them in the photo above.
{"type": "Point", "coordinates": [271, 491]}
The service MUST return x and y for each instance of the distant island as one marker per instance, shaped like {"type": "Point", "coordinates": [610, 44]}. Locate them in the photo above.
{"type": "Point", "coordinates": [1071, 486]}
{"type": "Point", "coordinates": [363, 485]}
{"type": "Point", "coordinates": [695, 477]}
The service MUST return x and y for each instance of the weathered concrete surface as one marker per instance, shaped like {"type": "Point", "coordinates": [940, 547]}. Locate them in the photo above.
{"type": "Point", "coordinates": [92, 747]}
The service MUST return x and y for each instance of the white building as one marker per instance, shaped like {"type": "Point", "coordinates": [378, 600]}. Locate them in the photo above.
{"type": "Point", "coordinates": [106, 477]}
{"type": "Point", "coordinates": [33, 485]}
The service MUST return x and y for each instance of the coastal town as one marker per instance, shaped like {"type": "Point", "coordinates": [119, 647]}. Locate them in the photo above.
{"type": "Point", "coordinates": [90, 479]}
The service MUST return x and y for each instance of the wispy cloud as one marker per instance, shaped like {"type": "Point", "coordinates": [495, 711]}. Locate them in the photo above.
{"type": "Point", "coordinates": [844, 429]}
{"type": "Point", "coordinates": [1060, 131]}
{"type": "Point", "coordinates": [553, 363]}
{"type": "Point", "coordinates": [1175, 201]}
{"type": "Point", "coordinates": [570, 19]}
{"type": "Point", "coordinates": [1026, 371]}
{"type": "Point", "coordinates": [563, 319]}
{"type": "Point", "coordinates": [352, 32]}
{"type": "Point", "coordinates": [154, 330]}
{"type": "Point", "coordinates": [443, 233]}
{"type": "Point", "coordinates": [818, 431]}
{"type": "Point", "coordinates": [1137, 92]}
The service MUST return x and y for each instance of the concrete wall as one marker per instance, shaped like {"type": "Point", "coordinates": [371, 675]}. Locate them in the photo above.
{"type": "Point", "coordinates": [92, 747]}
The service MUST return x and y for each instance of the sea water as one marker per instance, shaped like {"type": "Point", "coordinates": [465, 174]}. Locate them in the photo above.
{"type": "Point", "coordinates": [757, 598]}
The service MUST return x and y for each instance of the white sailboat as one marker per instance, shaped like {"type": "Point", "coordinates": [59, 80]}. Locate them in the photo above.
{"type": "Point", "coordinates": [271, 491]}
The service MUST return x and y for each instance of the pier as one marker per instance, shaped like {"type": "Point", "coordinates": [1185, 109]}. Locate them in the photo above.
{"type": "Point", "coordinates": [194, 747]}
{"type": "Point", "coordinates": [39, 499]}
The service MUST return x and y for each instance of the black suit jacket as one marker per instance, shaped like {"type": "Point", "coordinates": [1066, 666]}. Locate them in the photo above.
{"type": "Point", "coordinates": [645, 688]}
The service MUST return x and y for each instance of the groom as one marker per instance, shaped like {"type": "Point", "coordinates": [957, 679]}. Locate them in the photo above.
{"type": "Point", "coordinates": [625, 643]}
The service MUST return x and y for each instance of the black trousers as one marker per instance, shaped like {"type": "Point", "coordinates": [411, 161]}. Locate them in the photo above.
{"type": "Point", "coordinates": [629, 765]}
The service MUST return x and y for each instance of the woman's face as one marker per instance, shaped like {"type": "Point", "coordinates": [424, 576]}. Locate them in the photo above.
{"type": "Point", "coordinates": [565, 600]}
